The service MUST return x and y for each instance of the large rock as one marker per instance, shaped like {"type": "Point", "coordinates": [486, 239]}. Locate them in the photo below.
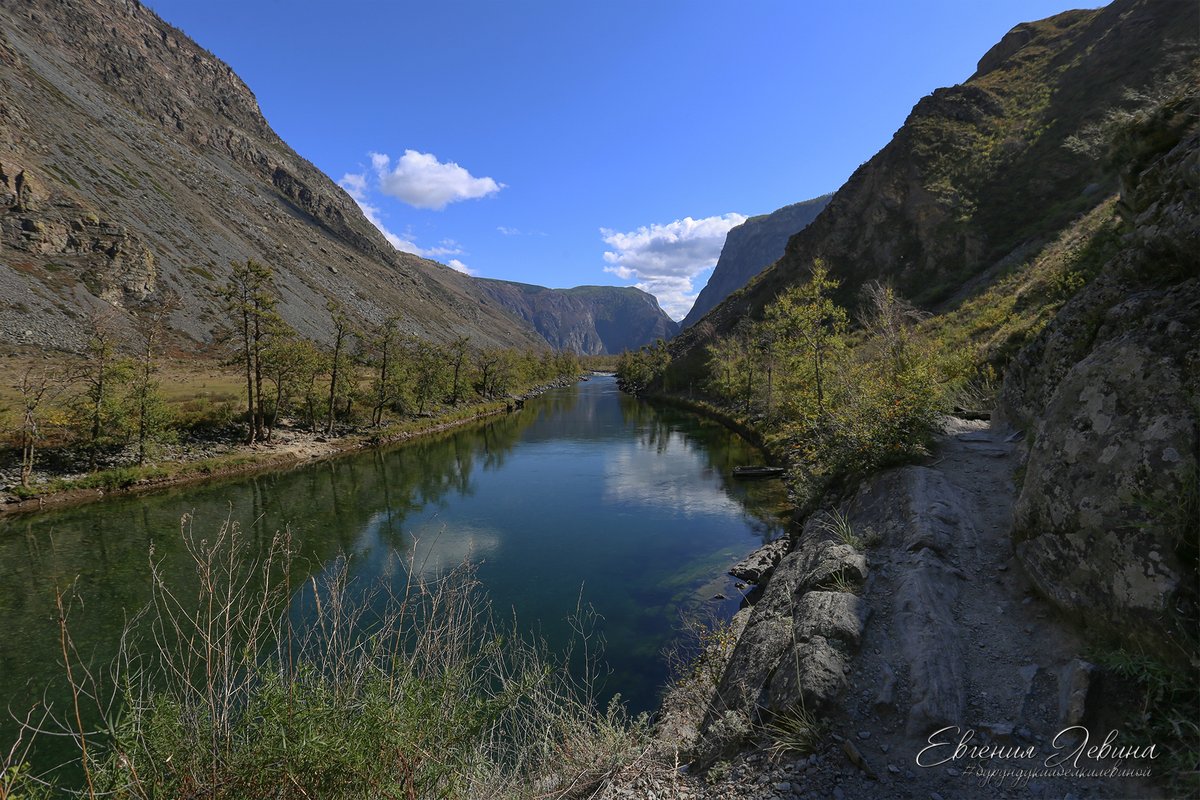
{"type": "Point", "coordinates": [751, 247]}
{"type": "Point", "coordinates": [797, 642]}
{"type": "Point", "coordinates": [1106, 517]}
{"type": "Point", "coordinates": [755, 567]}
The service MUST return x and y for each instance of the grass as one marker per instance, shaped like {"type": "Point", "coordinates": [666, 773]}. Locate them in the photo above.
{"type": "Point", "coordinates": [1169, 697]}
{"type": "Point", "coordinates": [223, 693]}
{"type": "Point", "coordinates": [795, 731]}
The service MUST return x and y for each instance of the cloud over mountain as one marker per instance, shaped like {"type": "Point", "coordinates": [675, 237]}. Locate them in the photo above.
{"type": "Point", "coordinates": [665, 259]}
{"type": "Point", "coordinates": [422, 181]}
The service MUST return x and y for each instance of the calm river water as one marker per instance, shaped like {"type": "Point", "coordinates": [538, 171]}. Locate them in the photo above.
{"type": "Point", "coordinates": [584, 493]}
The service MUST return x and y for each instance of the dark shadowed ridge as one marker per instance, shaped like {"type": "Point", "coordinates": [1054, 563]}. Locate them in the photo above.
{"type": "Point", "coordinates": [586, 319]}
{"type": "Point", "coordinates": [978, 176]}
{"type": "Point", "coordinates": [751, 247]}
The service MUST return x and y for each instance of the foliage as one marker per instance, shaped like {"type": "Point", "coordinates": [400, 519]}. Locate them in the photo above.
{"type": "Point", "coordinates": [638, 370]}
{"type": "Point", "coordinates": [795, 731]}
{"type": "Point", "coordinates": [224, 695]}
{"type": "Point", "coordinates": [840, 404]}
{"type": "Point", "coordinates": [1169, 696]}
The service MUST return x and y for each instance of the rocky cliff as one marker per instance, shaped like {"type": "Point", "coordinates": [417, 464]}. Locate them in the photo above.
{"type": "Point", "coordinates": [973, 589]}
{"type": "Point", "coordinates": [135, 163]}
{"type": "Point", "coordinates": [751, 247]}
{"type": "Point", "coordinates": [978, 176]}
{"type": "Point", "coordinates": [1108, 515]}
{"type": "Point", "coordinates": [587, 319]}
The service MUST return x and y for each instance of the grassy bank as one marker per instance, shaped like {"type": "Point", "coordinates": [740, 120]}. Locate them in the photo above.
{"type": "Point", "coordinates": [290, 448]}
{"type": "Point", "coordinates": [219, 692]}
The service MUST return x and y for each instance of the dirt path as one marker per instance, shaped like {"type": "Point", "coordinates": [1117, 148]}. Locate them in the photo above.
{"type": "Point", "coordinates": [956, 649]}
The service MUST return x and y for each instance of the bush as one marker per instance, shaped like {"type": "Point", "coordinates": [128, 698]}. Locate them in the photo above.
{"type": "Point", "coordinates": [223, 695]}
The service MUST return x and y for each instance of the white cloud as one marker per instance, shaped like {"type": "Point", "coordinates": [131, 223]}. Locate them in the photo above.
{"type": "Point", "coordinates": [422, 181]}
{"type": "Point", "coordinates": [665, 259]}
{"type": "Point", "coordinates": [507, 231]}
{"type": "Point", "coordinates": [355, 185]}
{"type": "Point", "coordinates": [455, 264]}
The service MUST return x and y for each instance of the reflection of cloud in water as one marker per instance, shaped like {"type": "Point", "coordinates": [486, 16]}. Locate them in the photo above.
{"type": "Point", "coordinates": [440, 546]}
{"type": "Point", "coordinates": [667, 474]}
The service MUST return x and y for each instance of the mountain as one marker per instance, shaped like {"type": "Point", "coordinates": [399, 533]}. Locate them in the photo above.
{"type": "Point", "coordinates": [979, 176]}
{"type": "Point", "coordinates": [749, 247]}
{"type": "Point", "coordinates": [587, 319]}
{"type": "Point", "coordinates": [134, 163]}
{"type": "Point", "coordinates": [1046, 216]}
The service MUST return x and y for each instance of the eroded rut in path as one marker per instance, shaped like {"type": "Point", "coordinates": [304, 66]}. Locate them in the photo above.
{"type": "Point", "coordinates": [958, 648]}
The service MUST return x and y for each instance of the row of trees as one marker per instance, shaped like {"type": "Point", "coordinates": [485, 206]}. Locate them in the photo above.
{"type": "Point", "coordinates": [845, 395]}
{"type": "Point", "coordinates": [114, 397]}
{"type": "Point", "coordinates": [108, 397]}
{"type": "Point", "coordinates": [379, 367]}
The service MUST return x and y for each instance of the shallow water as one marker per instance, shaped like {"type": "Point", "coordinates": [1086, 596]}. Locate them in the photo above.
{"type": "Point", "coordinates": [586, 494]}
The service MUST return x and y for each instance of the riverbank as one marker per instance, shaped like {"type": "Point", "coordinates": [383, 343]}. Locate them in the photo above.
{"type": "Point", "coordinates": [220, 458]}
{"type": "Point", "coordinates": [900, 611]}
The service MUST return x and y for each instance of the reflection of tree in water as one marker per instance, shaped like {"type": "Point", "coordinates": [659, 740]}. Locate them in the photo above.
{"type": "Point", "coordinates": [106, 546]}
{"type": "Point", "coordinates": [722, 449]}
{"type": "Point", "coordinates": [331, 507]}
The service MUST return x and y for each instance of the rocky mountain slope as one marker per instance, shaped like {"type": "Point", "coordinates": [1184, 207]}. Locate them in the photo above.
{"type": "Point", "coordinates": [134, 163]}
{"type": "Point", "coordinates": [587, 319]}
{"type": "Point", "coordinates": [751, 247]}
{"type": "Point", "coordinates": [1047, 213]}
{"type": "Point", "coordinates": [978, 177]}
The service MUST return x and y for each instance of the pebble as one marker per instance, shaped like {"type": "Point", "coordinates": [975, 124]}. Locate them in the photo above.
{"type": "Point", "coordinates": [952, 772]}
{"type": "Point", "coordinates": [892, 768]}
{"type": "Point", "coordinates": [864, 734]}
{"type": "Point", "coordinates": [885, 747]}
{"type": "Point", "coordinates": [934, 796]}
{"type": "Point", "coordinates": [783, 787]}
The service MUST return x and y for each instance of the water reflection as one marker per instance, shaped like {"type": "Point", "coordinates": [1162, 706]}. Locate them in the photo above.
{"type": "Point", "coordinates": [584, 492]}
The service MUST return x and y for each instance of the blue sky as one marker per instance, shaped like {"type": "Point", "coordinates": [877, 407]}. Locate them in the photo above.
{"type": "Point", "coordinates": [564, 143]}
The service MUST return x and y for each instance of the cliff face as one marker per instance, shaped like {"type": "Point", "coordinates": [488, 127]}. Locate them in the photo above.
{"type": "Point", "coordinates": [749, 248]}
{"type": "Point", "coordinates": [136, 163]}
{"type": "Point", "coordinates": [978, 176]}
{"type": "Point", "coordinates": [1109, 395]}
{"type": "Point", "coordinates": [587, 319]}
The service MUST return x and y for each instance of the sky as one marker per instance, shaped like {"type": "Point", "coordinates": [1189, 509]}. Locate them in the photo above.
{"type": "Point", "coordinates": [565, 143]}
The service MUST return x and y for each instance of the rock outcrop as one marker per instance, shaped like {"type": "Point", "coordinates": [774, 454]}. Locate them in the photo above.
{"type": "Point", "coordinates": [979, 173]}
{"type": "Point", "coordinates": [590, 320]}
{"type": "Point", "coordinates": [136, 163]}
{"type": "Point", "coordinates": [751, 247]}
{"type": "Point", "coordinates": [1109, 394]}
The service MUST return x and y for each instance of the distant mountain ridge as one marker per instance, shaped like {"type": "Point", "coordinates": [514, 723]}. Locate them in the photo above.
{"type": "Point", "coordinates": [134, 163]}
{"type": "Point", "coordinates": [749, 249]}
{"type": "Point", "coordinates": [590, 320]}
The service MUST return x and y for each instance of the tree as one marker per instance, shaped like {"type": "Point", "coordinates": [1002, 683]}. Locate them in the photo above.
{"type": "Point", "coordinates": [36, 390]}
{"type": "Point", "coordinates": [248, 298]}
{"type": "Point", "coordinates": [428, 362]}
{"type": "Point", "coordinates": [379, 347]}
{"type": "Point", "coordinates": [339, 366]}
{"type": "Point", "coordinates": [810, 329]}
{"type": "Point", "coordinates": [103, 373]}
{"type": "Point", "coordinates": [152, 417]}
{"type": "Point", "coordinates": [458, 351]}
{"type": "Point", "coordinates": [291, 363]}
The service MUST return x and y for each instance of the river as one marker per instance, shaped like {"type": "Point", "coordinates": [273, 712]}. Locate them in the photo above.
{"type": "Point", "coordinates": [585, 494]}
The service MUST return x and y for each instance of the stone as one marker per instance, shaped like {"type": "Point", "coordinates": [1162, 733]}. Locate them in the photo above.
{"type": "Point", "coordinates": [1074, 680]}
{"type": "Point", "coordinates": [755, 567]}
